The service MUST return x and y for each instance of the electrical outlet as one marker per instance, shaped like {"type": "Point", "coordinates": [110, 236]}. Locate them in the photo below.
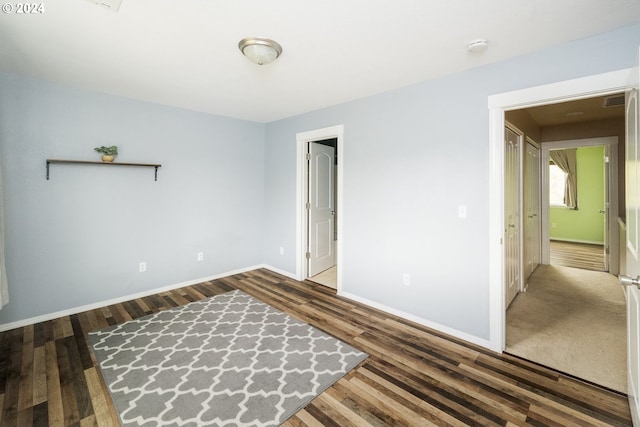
{"type": "Point", "coordinates": [200, 256]}
{"type": "Point", "coordinates": [143, 267]}
{"type": "Point", "coordinates": [406, 279]}
{"type": "Point", "coordinates": [281, 250]}
{"type": "Point", "coordinates": [462, 211]}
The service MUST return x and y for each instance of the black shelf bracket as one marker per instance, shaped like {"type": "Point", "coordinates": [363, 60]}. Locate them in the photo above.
{"type": "Point", "coordinates": [87, 162]}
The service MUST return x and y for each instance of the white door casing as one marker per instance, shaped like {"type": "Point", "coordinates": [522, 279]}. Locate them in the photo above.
{"type": "Point", "coordinates": [321, 208]}
{"type": "Point", "coordinates": [531, 209]}
{"type": "Point", "coordinates": [512, 214]}
{"type": "Point", "coordinates": [606, 209]}
{"type": "Point", "coordinates": [632, 200]}
{"type": "Point", "coordinates": [302, 141]}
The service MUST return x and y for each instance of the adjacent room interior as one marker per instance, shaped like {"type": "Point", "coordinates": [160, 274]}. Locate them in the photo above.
{"type": "Point", "coordinates": [571, 316]}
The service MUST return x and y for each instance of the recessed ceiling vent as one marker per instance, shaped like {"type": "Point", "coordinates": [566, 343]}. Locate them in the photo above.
{"type": "Point", "coordinates": [613, 101]}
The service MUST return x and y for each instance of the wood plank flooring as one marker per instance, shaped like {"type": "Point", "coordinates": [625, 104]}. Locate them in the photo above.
{"type": "Point", "coordinates": [577, 255]}
{"type": "Point", "coordinates": [413, 376]}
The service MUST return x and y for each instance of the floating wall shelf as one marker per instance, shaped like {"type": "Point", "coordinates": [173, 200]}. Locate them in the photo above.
{"type": "Point", "coordinates": [87, 162]}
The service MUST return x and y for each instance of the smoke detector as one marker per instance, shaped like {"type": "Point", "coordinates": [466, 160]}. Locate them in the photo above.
{"type": "Point", "coordinates": [477, 45]}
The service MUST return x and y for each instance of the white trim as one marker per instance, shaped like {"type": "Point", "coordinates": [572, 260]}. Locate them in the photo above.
{"type": "Point", "coordinates": [279, 271]}
{"type": "Point", "coordinates": [100, 304]}
{"type": "Point", "coordinates": [46, 317]}
{"type": "Point", "coordinates": [585, 87]}
{"type": "Point", "coordinates": [302, 138]}
{"type": "Point", "coordinates": [429, 324]}
{"type": "Point", "coordinates": [580, 143]}
{"type": "Point", "coordinates": [586, 242]}
{"type": "Point", "coordinates": [601, 84]}
{"type": "Point", "coordinates": [497, 307]}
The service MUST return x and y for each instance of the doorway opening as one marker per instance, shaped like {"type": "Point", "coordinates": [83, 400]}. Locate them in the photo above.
{"type": "Point", "coordinates": [319, 206]}
{"type": "Point", "coordinates": [322, 165]}
{"type": "Point", "coordinates": [582, 230]}
{"type": "Point", "coordinates": [546, 321]}
{"type": "Point", "coordinates": [571, 317]}
{"type": "Point", "coordinates": [586, 87]}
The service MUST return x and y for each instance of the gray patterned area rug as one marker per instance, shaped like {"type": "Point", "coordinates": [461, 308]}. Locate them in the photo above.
{"type": "Point", "coordinates": [229, 360]}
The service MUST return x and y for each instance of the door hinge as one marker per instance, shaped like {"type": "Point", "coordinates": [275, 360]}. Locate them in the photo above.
{"type": "Point", "coordinates": [606, 159]}
{"type": "Point", "coordinates": [308, 255]}
{"type": "Point", "coordinates": [308, 156]}
{"type": "Point", "coordinates": [308, 206]}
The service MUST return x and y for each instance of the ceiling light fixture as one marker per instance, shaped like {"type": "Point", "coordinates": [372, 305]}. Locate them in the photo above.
{"type": "Point", "coordinates": [259, 50]}
{"type": "Point", "coordinates": [477, 45]}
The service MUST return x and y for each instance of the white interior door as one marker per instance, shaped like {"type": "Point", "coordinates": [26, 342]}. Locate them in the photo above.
{"type": "Point", "coordinates": [512, 215]}
{"type": "Point", "coordinates": [531, 209]}
{"type": "Point", "coordinates": [632, 199]}
{"type": "Point", "coordinates": [321, 208]}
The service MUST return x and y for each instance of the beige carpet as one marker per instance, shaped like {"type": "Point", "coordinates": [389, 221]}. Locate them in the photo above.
{"type": "Point", "coordinates": [574, 321]}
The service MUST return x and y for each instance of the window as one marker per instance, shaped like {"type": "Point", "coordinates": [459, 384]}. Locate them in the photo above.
{"type": "Point", "coordinates": [565, 160]}
{"type": "Point", "coordinates": [557, 185]}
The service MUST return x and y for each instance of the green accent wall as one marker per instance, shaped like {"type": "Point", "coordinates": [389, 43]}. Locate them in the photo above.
{"type": "Point", "coordinates": [585, 224]}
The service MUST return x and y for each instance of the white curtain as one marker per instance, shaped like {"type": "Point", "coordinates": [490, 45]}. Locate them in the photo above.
{"type": "Point", "coordinates": [4, 286]}
{"type": "Point", "coordinates": [566, 160]}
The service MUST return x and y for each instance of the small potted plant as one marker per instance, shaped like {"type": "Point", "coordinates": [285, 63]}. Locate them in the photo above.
{"type": "Point", "coordinates": [108, 153]}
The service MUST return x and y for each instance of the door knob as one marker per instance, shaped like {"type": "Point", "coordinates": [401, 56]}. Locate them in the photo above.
{"type": "Point", "coordinates": [601, 211]}
{"type": "Point", "coordinates": [629, 281]}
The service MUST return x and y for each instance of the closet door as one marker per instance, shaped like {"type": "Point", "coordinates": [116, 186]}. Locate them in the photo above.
{"type": "Point", "coordinates": [531, 208]}
{"type": "Point", "coordinates": [512, 215]}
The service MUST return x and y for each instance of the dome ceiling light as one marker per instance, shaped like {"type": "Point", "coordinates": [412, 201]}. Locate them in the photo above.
{"type": "Point", "coordinates": [260, 51]}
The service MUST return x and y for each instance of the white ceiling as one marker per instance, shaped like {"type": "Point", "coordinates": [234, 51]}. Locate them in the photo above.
{"type": "Point", "coordinates": [184, 52]}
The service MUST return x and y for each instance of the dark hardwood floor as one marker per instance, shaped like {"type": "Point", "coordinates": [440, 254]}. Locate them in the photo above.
{"type": "Point", "coordinates": [413, 376]}
{"type": "Point", "coordinates": [577, 255]}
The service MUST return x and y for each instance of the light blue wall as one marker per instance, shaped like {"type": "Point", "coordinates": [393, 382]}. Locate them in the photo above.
{"type": "Point", "coordinates": [411, 157]}
{"type": "Point", "coordinates": [227, 188]}
{"type": "Point", "coordinates": [78, 238]}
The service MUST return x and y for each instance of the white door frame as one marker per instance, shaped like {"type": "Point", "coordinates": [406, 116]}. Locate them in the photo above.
{"type": "Point", "coordinates": [302, 139]}
{"type": "Point", "coordinates": [613, 231]}
{"type": "Point", "coordinates": [586, 87]}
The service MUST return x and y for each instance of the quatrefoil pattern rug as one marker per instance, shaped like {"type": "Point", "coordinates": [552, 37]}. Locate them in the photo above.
{"type": "Point", "coordinates": [229, 360]}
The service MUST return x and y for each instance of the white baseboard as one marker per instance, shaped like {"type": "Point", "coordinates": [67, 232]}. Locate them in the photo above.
{"type": "Point", "coordinates": [429, 324]}
{"type": "Point", "coordinates": [93, 306]}
{"type": "Point", "coordinates": [279, 271]}
{"type": "Point", "coordinates": [433, 325]}
{"type": "Point", "coordinates": [50, 316]}
{"type": "Point", "coordinates": [588, 242]}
